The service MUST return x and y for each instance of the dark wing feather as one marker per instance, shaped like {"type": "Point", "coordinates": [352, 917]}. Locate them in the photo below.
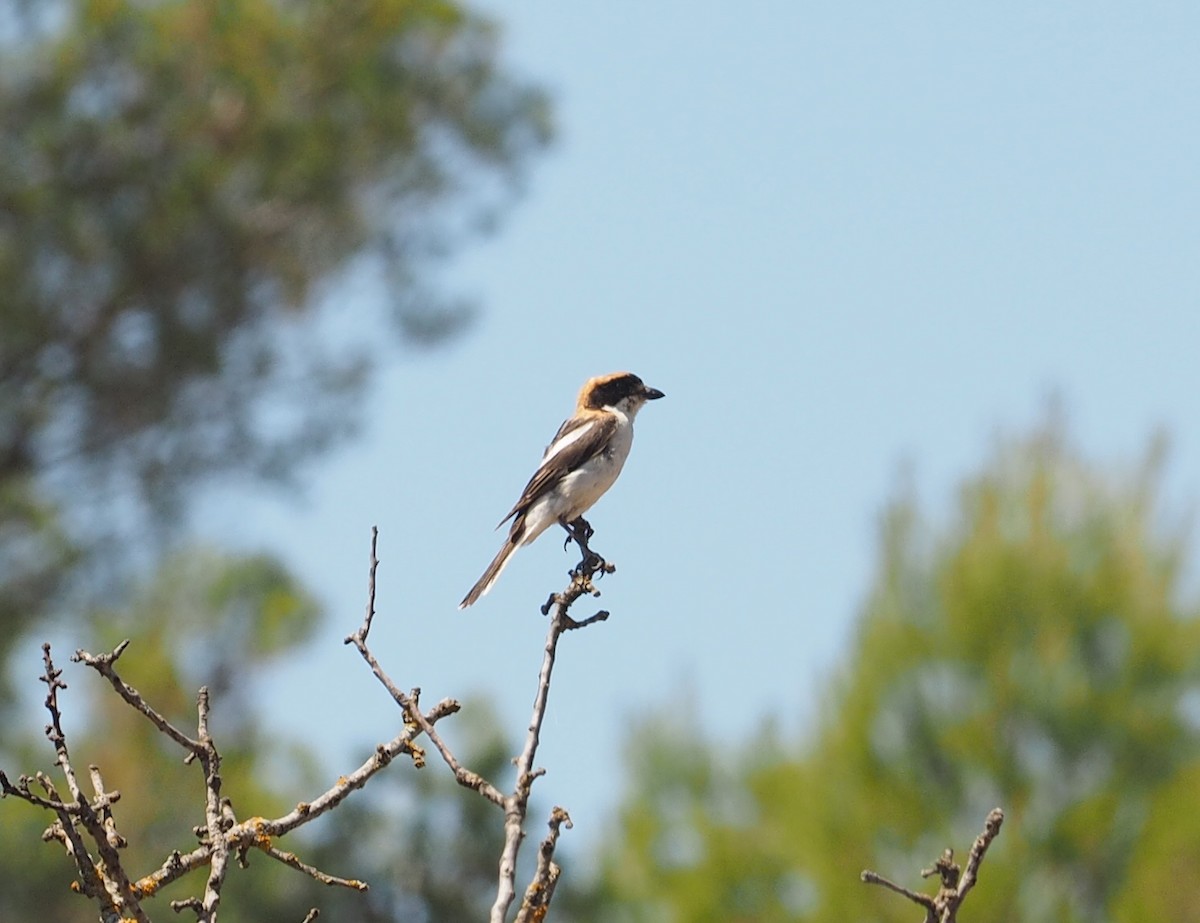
{"type": "Point", "coordinates": [552, 470]}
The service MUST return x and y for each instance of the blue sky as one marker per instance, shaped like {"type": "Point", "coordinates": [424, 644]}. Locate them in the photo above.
{"type": "Point", "coordinates": [841, 238]}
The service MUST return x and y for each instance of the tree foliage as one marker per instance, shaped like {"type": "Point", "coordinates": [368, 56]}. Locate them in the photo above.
{"type": "Point", "coordinates": [180, 183]}
{"type": "Point", "coordinates": [184, 185]}
{"type": "Point", "coordinates": [1038, 653]}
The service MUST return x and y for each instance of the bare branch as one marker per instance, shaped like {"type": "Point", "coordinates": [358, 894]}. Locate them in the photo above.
{"type": "Point", "coordinates": [874, 878]}
{"type": "Point", "coordinates": [102, 802]}
{"type": "Point", "coordinates": [991, 829]}
{"type": "Point", "coordinates": [465, 777]}
{"type": "Point", "coordinates": [410, 703]}
{"type": "Point", "coordinates": [102, 879]}
{"type": "Point", "coordinates": [383, 755]}
{"type": "Point", "coordinates": [257, 831]}
{"type": "Point", "coordinates": [188, 903]}
{"type": "Point", "coordinates": [222, 836]}
{"type": "Point", "coordinates": [104, 664]}
{"type": "Point", "coordinates": [541, 888]}
{"type": "Point", "coordinates": [214, 813]}
{"type": "Point", "coordinates": [516, 805]}
{"type": "Point", "coordinates": [365, 628]}
{"type": "Point", "coordinates": [955, 884]}
{"type": "Point", "coordinates": [290, 860]}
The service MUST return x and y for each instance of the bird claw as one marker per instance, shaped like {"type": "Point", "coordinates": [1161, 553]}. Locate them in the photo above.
{"type": "Point", "coordinates": [579, 531]}
{"type": "Point", "coordinates": [592, 566]}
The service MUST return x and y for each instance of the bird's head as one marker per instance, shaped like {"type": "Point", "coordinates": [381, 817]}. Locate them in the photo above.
{"type": "Point", "coordinates": [621, 391]}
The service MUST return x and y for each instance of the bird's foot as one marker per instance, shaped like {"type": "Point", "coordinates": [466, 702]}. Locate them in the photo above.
{"type": "Point", "coordinates": [579, 531]}
{"type": "Point", "coordinates": [590, 564]}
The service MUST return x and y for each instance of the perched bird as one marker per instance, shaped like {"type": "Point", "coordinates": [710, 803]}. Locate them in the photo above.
{"type": "Point", "coordinates": [579, 465]}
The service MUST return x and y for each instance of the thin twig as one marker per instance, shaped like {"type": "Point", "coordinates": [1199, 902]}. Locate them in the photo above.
{"type": "Point", "coordinates": [370, 617]}
{"type": "Point", "coordinates": [465, 777]}
{"type": "Point", "coordinates": [291, 860]}
{"type": "Point", "coordinates": [102, 803]}
{"type": "Point", "coordinates": [991, 829]}
{"type": "Point", "coordinates": [874, 878]}
{"type": "Point", "coordinates": [410, 702]}
{"type": "Point", "coordinates": [104, 664]}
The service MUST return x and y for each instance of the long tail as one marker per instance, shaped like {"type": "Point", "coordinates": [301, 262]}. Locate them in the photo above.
{"type": "Point", "coordinates": [490, 575]}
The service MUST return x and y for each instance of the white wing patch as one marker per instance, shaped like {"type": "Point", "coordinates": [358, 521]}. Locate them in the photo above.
{"type": "Point", "coordinates": [569, 439]}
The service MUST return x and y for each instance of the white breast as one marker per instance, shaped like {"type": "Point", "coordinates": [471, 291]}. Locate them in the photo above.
{"type": "Point", "coordinates": [588, 483]}
{"type": "Point", "coordinates": [578, 491]}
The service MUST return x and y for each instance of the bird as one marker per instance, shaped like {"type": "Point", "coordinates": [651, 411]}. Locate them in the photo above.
{"type": "Point", "coordinates": [580, 464]}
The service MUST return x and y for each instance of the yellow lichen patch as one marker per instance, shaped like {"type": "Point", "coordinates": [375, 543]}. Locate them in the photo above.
{"type": "Point", "coordinates": [261, 839]}
{"type": "Point", "coordinates": [145, 887]}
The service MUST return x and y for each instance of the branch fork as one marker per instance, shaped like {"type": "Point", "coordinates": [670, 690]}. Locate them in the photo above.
{"type": "Point", "coordinates": [955, 883]}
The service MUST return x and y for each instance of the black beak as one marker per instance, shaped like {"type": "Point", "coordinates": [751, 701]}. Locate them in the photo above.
{"type": "Point", "coordinates": [653, 394]}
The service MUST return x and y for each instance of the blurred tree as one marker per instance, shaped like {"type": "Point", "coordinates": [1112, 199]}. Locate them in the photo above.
{"type": "Point", "coordinates": [181, 184]}
{"type": "Point", "coordinates": [1038, 655]}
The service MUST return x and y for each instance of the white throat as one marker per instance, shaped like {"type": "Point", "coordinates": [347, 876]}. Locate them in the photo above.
{"type": "Point", "coordinates": [626, 408]}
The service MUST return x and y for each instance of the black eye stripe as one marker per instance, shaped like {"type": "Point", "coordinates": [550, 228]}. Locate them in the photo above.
{"type": "Point", "coordinates": [610, 392]}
